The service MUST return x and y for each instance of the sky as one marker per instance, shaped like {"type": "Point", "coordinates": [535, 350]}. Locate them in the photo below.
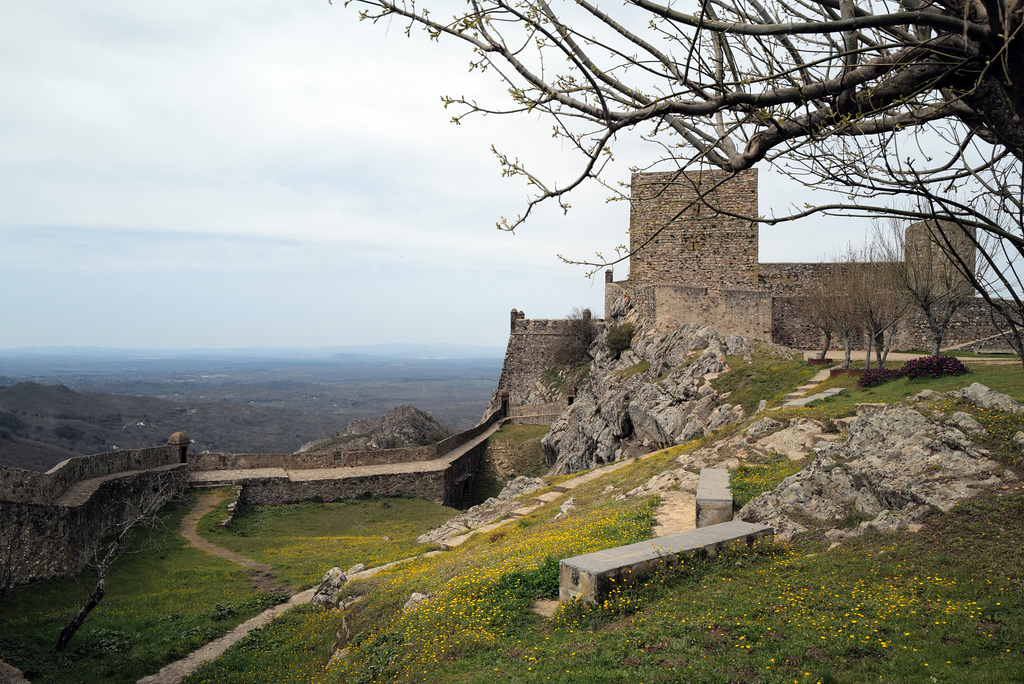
{"type": "Point", "coordinates": [272, 173]}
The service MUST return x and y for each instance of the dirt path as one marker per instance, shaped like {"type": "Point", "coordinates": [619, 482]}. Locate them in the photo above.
{"type": "Point", "coordinates": [262, 579]}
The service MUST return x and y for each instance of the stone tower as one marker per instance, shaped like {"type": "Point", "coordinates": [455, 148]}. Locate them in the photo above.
{"type": "Point", "coordinates": [678, 235]}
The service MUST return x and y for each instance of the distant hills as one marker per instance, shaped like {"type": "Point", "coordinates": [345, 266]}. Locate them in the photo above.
{"type": "Point", "coordinates": [59, 402]}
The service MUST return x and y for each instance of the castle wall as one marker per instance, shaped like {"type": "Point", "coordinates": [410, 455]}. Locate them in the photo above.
{"type": "Point", "coordinates": [532, 349]}
{"type": "Point", "coordinates": [678, 238]}
{"type": "Point", "coordinates": [39, 540]}
{"type": "Point", "coordinates": [443, 483]}
{"type": "Point", "coordinates": [730, 312]}
{"type": "Point", "coordinates": [26, 485]}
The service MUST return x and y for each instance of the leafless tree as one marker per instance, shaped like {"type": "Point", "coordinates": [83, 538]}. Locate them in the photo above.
{"type": "Point", "coordinates": [573, 348]}
{"type": "Point", "coordinates": [136, 510]}
{"type": "Point", "coordinates": [877, 305]}
{"type": "Point", "coordinates": [891, 104]}
{"type": "Point", "coordinates": [922, 270]}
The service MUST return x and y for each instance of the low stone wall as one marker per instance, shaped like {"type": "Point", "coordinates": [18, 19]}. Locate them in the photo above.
{"type": "Point", "coordinates": [339, 459]}
{"type": "Point", "coordinates": [445, 482]}
{"type": "Point", "coordinates": [41, 540]}
{"type": "Point", "coordinates": [29, 486]}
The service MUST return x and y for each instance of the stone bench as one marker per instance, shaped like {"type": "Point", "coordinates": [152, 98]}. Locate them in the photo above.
{"type": "Point", "coordinates": [714, 498]}
{"type": "Point", "coordinates": [593, 575]}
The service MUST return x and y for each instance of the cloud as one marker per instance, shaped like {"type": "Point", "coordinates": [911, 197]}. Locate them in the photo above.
{"type": "Point", "coordinates": [247, 159]}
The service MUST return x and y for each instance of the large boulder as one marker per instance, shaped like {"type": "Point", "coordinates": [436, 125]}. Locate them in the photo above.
{"type": "Point", "coordinates": [896, 464]}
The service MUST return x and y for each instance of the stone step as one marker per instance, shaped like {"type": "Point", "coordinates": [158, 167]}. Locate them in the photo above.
{"type": "Point", "coordinates": [549, 497]}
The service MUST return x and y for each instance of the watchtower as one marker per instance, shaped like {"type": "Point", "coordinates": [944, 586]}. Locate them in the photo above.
{"type": "Point", "coordinates": [694, 229]}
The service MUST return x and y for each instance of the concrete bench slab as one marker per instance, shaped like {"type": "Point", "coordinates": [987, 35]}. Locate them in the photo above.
{"type": "Point", "coordinates": [593, 575]}
{"type": "Point", "coordinates": [714, 498]}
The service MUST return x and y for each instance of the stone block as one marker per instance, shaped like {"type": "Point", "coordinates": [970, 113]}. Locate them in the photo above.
{"type": "Point", "coordinates": [592, 576]}
{"type": "Point", "coordinates": [714, 498]}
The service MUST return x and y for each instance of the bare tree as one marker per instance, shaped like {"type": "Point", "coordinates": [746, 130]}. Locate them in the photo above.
{"type": "Point", "coordinates": [138, 509]}
{"type": "Point", "coordinates": [889, 103]}
{"type": "Point", "coordinates": [877, 306]}
{"type": "Point", "coordinates": [922, 270]}
{"type": "Point", "coordinates": [573, 348]}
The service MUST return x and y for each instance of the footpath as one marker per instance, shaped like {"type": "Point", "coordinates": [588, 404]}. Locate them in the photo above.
{"type": "Point", "coordinates": [674, 516]}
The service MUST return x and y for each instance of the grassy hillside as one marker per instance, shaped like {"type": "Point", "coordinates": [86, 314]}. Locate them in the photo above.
{"type": "Point", "coordinates": [944, 604]}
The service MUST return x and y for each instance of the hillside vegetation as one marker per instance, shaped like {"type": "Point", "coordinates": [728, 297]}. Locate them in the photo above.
{"type": "Point", "coordinates": [944, 603]}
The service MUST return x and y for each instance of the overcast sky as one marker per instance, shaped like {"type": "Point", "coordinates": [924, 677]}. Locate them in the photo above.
{"type": "Point", "coordinates": [275, 173]}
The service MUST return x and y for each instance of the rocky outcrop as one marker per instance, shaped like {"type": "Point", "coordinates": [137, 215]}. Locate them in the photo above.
{"type": "Point", "coordinates": [485, 513]}
{"type": "Point", "coordinates": [656, 394]}
{"type": "Point", "coordinates": [896, 466]}
{"type": "Point", "coordinates": [405, 426]}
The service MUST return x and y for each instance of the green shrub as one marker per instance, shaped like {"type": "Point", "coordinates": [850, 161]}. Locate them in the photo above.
{"type": "Point", "coordinates": [619, 339]}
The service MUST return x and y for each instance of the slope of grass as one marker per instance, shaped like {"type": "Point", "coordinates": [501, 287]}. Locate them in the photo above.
{"type": "Point", "coordinates": [518, 447]}
{"type": "Point", "coordinates": [763, 377]}
{"type": "Point", "coordinates": [163, 601]}
{"type": "Point", "coordinates": [302, 541]}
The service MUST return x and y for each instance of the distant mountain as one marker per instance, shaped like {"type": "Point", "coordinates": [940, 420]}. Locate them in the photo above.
{"type": "Point", "coordinates": [409, 350]}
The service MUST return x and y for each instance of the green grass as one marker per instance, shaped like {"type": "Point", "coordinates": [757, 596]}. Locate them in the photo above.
{"type": "Point", "coordinates": [1004, 378]}
{"type": "Point", "coordinates": [163, 601]}
{"type": "Point", "coordinates": [747, 481]}
{"type": "Point", "coordinates": [518, 448]}
{"type": "Point", "coordinates": [302, 541]}
{"type": "Point", "coordinates": [748, 382]}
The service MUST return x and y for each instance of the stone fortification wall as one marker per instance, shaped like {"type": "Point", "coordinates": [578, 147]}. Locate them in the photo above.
{"type": "Point", "coordinates": [29, 486]}
{"type": "Point", "coordinates": [678, 236]}
{"type": "Point", "coordinates": [532, 346]}
{"type": "Point", "coordinates": [41, 540]}
{"type": "Point", "coordinates": [730, 312]}
{"type": "Point", "coordinates": [792, 279]}
{"type": "Point", "coordinates": [792, 329]}
{"type": "Point", "coordinates": [692, 260]}
{"type": "Point", "coordinates": [445, 483]}
{"type": "Point", "coordinates": [337, 459]}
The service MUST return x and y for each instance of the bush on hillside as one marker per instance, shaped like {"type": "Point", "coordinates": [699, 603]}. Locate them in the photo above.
{"type": "Point", "coordinates": [619, 339]}
{"type": "Point", "coordinates": [573, 348]}
{"type": "Point", "coordinates": [921, 367]}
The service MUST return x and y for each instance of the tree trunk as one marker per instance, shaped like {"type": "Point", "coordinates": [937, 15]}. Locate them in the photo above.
{"type": "Point", "coordinates": [867, 354]}
{"type": "Point", "coordinates": [848, 342]}
{"type": "Point", "coordinates": [828, 343]}
{"type": "Point", "coordinates": [69, 631]}
{"type": "Point", "coordinates": [880, 348]}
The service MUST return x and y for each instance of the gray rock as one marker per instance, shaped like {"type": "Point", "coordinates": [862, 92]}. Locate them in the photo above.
{"type": "Point", "coordinates": [897, 465]}
{"type": "Point", "coordinates": [11, 675]}
{"type": "Point", "coordinates": [326, 593]}
{"type": "Point", "coordinates": [520, 486]}
{"type": "Point", "coordinates": [794, 441]}
{"type": "Point", "coordinates": [679, 478]}
{"type": "Point", "coordinates": [983, 397]}
{"type": "Point", "coordinates": [414, 600]}
{"type": "Point", "coordinates": [566, 508]}
{"type": "Point", "coordinates": [618, 407]}
{"type": "Point", "coordinates": [967, 423]}
{"type": "Point", "coordinates": [358, 567]}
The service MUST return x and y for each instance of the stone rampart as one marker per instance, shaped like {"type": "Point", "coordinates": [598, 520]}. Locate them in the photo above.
{"type": "Point", "coordinates": [730, 312]}
{"type": "Point", "coordinates": [532, 349]}
{"type": "Point", "coordinates": [44, 539]}
{"type": "Point", "coordinates": [29, 486]}
{"type": "Point", "coordinates": [444, 481]}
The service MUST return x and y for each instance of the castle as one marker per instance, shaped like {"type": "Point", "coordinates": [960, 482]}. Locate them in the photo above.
{"type": "Point", "coordinates": [694, 259]}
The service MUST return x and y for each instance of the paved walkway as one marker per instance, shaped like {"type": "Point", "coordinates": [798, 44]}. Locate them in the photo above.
{"type": "Point", "coordinates": [80, 492]}
{"type": "Point", "coordinates": [219, 478]}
